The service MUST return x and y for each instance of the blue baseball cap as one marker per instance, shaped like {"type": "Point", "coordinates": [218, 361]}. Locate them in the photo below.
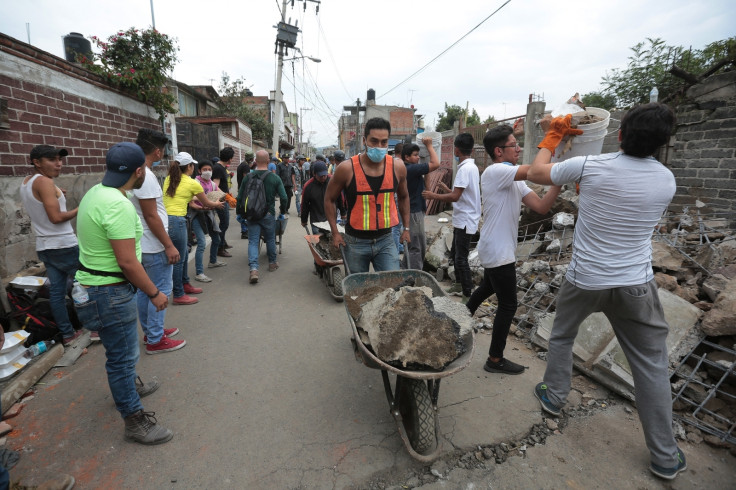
{"type": "Point", "coordinates": [319, 168]}
{"type": "Point", "coordinates": [122, 159]}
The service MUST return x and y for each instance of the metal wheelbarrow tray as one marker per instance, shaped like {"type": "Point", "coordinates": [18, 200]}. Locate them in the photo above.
{"type": "Point", "coordinates": [413, 399]}
{"type": "Point", "coordinates": [330, 270]}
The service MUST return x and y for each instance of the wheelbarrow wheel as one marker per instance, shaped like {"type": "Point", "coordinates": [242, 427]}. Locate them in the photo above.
{"type": "Point", "coordinates": [415, 406]}
{"type": "Point", "coordinates": [337, 277]}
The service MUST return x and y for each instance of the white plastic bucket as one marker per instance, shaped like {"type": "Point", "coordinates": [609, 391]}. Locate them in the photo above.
{"type": "Point", "coordinates": [436, 142]}
{"type": "Point", "coordinates": [591, 141]}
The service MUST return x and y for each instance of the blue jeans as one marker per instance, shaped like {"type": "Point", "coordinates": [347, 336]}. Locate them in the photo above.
{"type": "Point", "coordinates": [243, 224]}
{"type": "Point", "coordinates": [224, 215]}
{"type": "Point", "coordinates": [362, 252]}
{"type": "Point", "coordinates": [268, 223]}
{"type": "Point", "coordinates": [298, 199]}
{"type": "Point", "coordinates": [178, 235]}
{"type": "Point", "coordinates": [111, 311]}
{"type": "Point", "coordinates": [202, 243]}
{"type": "Point", "coordinates": [61, 263]}
{"type": "Point", "coordinates": [160, 272]}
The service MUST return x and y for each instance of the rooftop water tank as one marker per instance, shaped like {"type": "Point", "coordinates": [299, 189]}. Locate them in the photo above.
{"type": "Point", "coordinates": [75, 43]}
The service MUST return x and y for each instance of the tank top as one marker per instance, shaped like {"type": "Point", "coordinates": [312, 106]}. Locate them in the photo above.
{"type": "Point", "coordinates": [48, 235]}
{"type": "Point", "coordinates": [375, 183]}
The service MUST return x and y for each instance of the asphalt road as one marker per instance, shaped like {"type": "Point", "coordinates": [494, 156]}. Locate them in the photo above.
{"type": "Point", "coordinates": [267, 394]}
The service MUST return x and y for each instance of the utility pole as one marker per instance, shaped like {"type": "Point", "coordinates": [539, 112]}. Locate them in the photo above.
{"type": "Point", "coordinates": [277, 93]}
{"type": "Point", "coordinates": [285, 39]}
{"type": "Point", "coordinates": [153, 19]}
{"type": "Point", "coordinates": [301, 125]}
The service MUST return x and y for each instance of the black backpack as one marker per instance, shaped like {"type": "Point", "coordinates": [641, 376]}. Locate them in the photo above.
{"type": "Point", "coordinates": [253, 205]}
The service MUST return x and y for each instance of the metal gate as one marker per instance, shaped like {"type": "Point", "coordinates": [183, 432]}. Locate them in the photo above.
{"type": "Point", "coordinates": [200, 141]}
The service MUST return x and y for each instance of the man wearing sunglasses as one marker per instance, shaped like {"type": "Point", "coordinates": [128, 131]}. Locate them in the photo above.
{"type": "Point", "coordinates": [503, 188]}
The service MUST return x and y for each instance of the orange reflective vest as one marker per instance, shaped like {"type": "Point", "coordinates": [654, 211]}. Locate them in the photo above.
{"type": "Point", "coordinates": [371, 211]}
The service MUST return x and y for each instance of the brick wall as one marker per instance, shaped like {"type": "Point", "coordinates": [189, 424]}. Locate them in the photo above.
{"type": "Point", "coordinates": [51, 101]}
{"type": "Point", "coordinates": [703, 154]}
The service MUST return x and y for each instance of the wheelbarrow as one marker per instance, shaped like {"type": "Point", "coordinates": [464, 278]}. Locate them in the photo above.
{"type": "Point", "coordinates": [413, 398]}
{"type": "Point", "coordinates": [279, 229]}
{"type": "Point", "coordinates": [329, 269]}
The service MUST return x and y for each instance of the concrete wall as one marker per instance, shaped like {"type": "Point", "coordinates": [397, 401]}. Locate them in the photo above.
{"type": "Point", "coordinates": [51, 101]}
{"type": "Point", "coordinates": [703, 156]}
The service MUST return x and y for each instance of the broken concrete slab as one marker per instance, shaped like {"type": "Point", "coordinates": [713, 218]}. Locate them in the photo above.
{"type": "Point", "coordinates": [408, 328]}
{"type": "Point", "coordinates": [563, 220]}
{"type": "Point", "coordinates": [665, 257]}
{"type": "Point", "coordinates": [721, 319]}
{"type": "Point", "coordinates": [438, 249]}
{"type": "Point", "coordinates": [597, 352]}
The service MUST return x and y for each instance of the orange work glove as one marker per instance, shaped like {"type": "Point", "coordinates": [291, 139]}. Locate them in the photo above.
{"type": "Point", "coordinates": [559, 128]}
{"type": "Point", "coordinates": [231, 200]}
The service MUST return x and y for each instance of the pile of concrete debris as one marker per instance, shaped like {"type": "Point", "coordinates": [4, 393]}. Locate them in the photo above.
{"type": "Point", "coordinates": [694, 259]}
{"type": "Point", "coordinates": [410, 327]}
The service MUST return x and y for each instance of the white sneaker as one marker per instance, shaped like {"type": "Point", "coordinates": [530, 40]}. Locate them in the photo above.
{"type": "Point", "coordinates": [219, 263]}
{"type": "Point", "coordinates": [202, 278]}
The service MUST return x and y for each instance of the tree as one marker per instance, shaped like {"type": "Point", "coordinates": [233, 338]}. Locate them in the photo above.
{"type": "Point", "coordinates": [489, 120]}
{"type": "Point", "coordinates": [454, 113]}
{"type": "Point", "coordinates": [597, 99]}
{"type": "Point", "coordinates": [232, 103]}
{"type": "Point", "coordinates": [649, 66]}
{"type": "Point", "coordinates": [138, 61]}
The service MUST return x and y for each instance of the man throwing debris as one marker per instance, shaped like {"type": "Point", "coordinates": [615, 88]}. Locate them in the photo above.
{"type": "Point", "coordinates": [622, 198]}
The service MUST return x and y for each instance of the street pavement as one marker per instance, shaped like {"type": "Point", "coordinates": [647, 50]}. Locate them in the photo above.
{"type": "Point", "coordinates": [267, 394]}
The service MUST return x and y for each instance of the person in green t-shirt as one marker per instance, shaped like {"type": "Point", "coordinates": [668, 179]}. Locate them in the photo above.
{"type": "Point", "coordinates": [110, 270]}
{"type": "Point", "coordinates": [272, 187]}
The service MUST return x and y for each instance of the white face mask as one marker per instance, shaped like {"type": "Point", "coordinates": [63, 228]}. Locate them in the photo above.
{"type": "Point", "coordinates": [207, 174]}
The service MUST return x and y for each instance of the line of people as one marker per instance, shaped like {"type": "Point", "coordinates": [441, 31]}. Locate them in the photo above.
{"type": "Point", "coordinates": [622, 197]}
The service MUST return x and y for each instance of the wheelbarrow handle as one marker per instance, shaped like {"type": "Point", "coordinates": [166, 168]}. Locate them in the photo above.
{"type": "Point", "coordinates": [344, 260]}
{"type": "Point", "coordinates": [406, 254]}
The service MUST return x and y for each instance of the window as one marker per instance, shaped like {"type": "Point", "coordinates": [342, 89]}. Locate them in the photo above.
{"type": "Point", "coordinates": [187, 104]}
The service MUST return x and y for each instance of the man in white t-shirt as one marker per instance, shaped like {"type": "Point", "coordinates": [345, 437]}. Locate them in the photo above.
{"type": "Point", "coordinates": [158, 251]}
{"type": "Point", "coordinates": [465, 196]}
{"type": "Point", "coordinates": [503, 187]}
{"type": "Point", "coordinates": [622, 198]}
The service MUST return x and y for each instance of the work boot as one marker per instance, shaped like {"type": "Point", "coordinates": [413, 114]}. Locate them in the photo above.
{"type": "Point", "coordinates": [145, 389]}
{"type": "Point", "coordinates": [61, 481]}
{"type": "Point", "coordinates": [143, 428]}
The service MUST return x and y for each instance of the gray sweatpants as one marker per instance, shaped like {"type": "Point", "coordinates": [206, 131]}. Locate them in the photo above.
{"type": "Point", "coordinates": [638, 322]}
{"type": "Point", "coordinates": [418, 244]}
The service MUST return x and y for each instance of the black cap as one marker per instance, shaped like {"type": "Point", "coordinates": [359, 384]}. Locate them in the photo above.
{"type": "Point", "coordinates": [47, 151]}
{"type": "Point", "coordinates": [320, 157]}
{"type": "Point", "coordinates": [339, 156]}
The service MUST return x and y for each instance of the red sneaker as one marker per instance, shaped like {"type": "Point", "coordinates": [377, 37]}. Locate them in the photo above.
{"type": "Point", "coordinates": [168, 332]}
{"type": "Point", "coordinates": [165, 345]}
{"type": "Point", "coordinates": [68, 340]}
{"type": "Point", "coordinates": [185, 300]}
{"type": "Point", "coordinates": [189, 289]}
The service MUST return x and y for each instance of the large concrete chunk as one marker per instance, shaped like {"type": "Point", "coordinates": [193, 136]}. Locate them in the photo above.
{"type": "Point", "coordinates": [665, 257]}
{"type": "Point", "coordinates": [597, 352]}
{"type": "Point", "coordinates": [721, 319]}
{"type": "Point", "coordinates": [409, 328]}
{"type": "Point", "coordinates": [437, 250]}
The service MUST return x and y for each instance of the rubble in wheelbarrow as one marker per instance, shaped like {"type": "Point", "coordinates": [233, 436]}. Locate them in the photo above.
{"type": "Point", "coordinates": [407, 327]}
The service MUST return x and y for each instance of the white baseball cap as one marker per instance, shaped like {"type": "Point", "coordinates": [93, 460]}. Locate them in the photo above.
{"type": "Point", "coordinates": [184, 159]}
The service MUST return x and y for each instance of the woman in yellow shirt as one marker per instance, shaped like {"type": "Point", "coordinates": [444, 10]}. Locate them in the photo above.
{"type": "Point", "coordinates": [179, 190]}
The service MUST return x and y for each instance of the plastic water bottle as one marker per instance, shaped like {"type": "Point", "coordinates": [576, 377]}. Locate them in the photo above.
{"type": "Point", "coordinates": [38, 348]}
{"type": "Point", "coordinates": [79, 294]}
{"type": "Point", "coordinates": [654, 94]}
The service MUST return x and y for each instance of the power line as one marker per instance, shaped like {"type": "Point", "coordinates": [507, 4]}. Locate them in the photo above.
{"type": "Point", "coordinates": [334, 63]}
{"type": "Point", "coordinates": [445, 51]}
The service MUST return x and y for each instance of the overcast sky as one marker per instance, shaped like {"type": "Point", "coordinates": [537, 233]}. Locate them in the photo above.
{"type": "Point", "coordinates": [548, 48]}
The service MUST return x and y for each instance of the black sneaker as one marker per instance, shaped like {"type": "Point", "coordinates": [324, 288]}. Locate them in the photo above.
{"type": "Point", "coordinates": [670, 473]}
{"type": "Point", "coordinates": [503, 366]}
